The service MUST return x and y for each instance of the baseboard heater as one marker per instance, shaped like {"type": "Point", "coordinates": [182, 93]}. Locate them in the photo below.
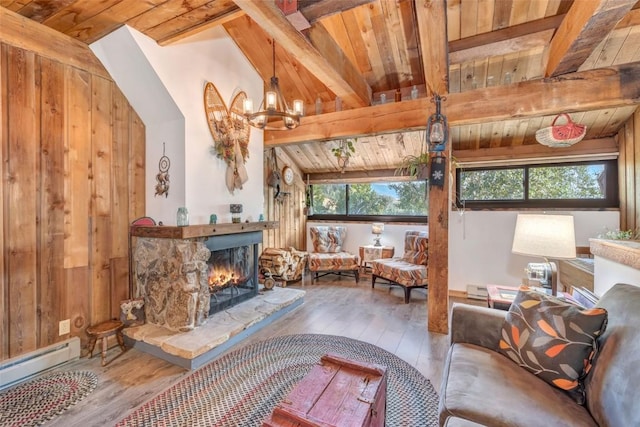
{"type": "Point", "coordinates": [28, 365]}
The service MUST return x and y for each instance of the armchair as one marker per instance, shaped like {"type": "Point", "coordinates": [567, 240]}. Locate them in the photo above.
{"type": "Point", "coordinates": [409, 271]}
{"type": "Point", "coordinates": [327, 256]}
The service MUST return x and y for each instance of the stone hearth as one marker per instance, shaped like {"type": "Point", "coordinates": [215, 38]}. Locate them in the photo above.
{"type": "Point", "coordinates": [222, 330]}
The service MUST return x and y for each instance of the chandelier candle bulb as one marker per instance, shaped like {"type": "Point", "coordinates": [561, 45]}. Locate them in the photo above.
{"type": "Point", "coordinates": [271, 100]}
{"type": "Point", "coordinates": [298, 107]}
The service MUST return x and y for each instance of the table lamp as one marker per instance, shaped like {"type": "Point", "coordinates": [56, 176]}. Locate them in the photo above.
{"type": "Point", "coordinates": [546, 236]}
{"type": "Point", "coordinates": [377, 228]}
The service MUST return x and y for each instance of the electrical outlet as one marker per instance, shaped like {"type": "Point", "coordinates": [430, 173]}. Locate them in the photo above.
{"type": "Point", "coordinates": [64, 327]}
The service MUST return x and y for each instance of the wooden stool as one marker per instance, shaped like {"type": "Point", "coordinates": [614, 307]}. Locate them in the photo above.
{"type": "Point", "coordinates": [103, 331]}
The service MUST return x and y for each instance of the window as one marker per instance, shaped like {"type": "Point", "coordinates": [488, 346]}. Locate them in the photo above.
{"type": "Point", "coordinates": [389, 201]}
{"type": "Point", "coordinates": [565, 185]}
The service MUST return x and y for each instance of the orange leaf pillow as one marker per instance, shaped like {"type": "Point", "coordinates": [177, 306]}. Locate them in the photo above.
{"type": "Point", "coordinates": [553, 339]}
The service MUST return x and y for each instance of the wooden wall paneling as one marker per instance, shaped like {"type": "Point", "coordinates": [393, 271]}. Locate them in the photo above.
{"type": "Point", "coordinates": [77, 185]}
{"type": "Point", "coordinates": [636, 170]}
{"type": "Point", "coordinates": [102, 168]}
{"type": "Point", "coordinates": [4, 139]}
{"type": "Point", "coordinates": [120, 147]}
{"type": "Point", "coordinates": [119, 285]}
{"type": "Point", "coordinates": [52, 303]}
{"type": "Point", "coordinates": [78, 294]}
{"type": "Point", "coordinates": [622, 176]}
{"type": "Point", "coordinates": [137, 166]}
{"type": "Point", "coordinates": [21, 193]}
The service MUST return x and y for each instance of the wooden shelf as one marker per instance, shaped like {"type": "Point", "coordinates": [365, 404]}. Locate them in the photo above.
{"type": "Point", "coordinates": [204, 230]}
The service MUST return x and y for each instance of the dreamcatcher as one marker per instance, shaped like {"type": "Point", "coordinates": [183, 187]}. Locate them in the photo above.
{"type": "Point", "coordinates": [230, 131]}
{"type": "Point", "coordinates": [162, 187]}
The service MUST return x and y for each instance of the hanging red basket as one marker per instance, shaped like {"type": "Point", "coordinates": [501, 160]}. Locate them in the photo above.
{"type": "Point", "coordinates": [561, 135]}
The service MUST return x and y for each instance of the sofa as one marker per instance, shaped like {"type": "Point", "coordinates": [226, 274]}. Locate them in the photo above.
{"type": "Point", "coordinates": [286, 265]}
{"type": "Point", "coordinates": [408, 271]}
{"type": "Point", "coordinates": [483, 387]}
{"type": "Point", "coordinates": [328, 256]}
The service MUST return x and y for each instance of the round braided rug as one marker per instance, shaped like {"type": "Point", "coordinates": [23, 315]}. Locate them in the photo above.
{"type": "Point", "coordinates": [242, 387]}
{"type": "Point", "coordinates": [40, 399]}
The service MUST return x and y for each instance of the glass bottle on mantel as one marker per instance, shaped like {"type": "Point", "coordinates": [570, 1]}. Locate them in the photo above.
{"type": "Point", "coordinates": [182, 217]}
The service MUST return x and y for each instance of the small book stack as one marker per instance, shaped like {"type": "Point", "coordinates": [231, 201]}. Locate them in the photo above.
{"type": "Point", "coordinates": [584, 296]}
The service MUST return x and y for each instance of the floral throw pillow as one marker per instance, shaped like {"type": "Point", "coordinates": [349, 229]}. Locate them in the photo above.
{"type": "Point", "coordinates": [553, 339]}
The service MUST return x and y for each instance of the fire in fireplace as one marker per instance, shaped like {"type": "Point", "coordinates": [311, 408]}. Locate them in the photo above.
{"type": "Point", "coordinates": [233, 273]}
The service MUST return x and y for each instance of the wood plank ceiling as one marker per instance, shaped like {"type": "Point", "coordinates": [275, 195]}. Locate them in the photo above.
{"type": "Point", "coordinates": [360, 50]}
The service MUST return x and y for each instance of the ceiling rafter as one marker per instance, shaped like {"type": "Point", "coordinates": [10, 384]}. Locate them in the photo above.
{"type": "Point", "coordinates": [352, 88]}
{"type": "Point", "coordinates": [314, 12]}
{"type": "Point", "coordinates": [581, 30]}
{"type": "Point", "coordinates": [432, 30]}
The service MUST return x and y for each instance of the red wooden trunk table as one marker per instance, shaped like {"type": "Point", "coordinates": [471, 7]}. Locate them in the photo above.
{"type": "Point", "coordinates": [337, 392]}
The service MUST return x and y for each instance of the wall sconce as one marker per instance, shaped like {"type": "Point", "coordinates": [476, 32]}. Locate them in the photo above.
{"type": "Point", "coordinates": [377, 228]}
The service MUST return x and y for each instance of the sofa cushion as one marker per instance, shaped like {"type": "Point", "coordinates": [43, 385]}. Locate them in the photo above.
{"type": "Point", "coordinates": [416, 247]}
{"type": "Point", "coordinates": [340, 261]}
{"type": "Point", "coordinates": [483, 386]}
{"type": "Point", "coordinates": [400, 271]}
{"type": "Point", "coordinates": [327, 239]}
{"type": "Point", "coordinates": [553, 339]}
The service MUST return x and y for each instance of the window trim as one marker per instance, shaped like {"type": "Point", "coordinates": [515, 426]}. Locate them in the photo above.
{"type": "Point", "coordinates": [611, 199]}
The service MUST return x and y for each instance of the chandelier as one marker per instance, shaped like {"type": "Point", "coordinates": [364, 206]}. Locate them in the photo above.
{"type": "Point", "coordinates": [274, 112]}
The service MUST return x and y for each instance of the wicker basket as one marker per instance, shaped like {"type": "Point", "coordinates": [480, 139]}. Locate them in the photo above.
{"type": "Point", "coordinates": [561, 135]}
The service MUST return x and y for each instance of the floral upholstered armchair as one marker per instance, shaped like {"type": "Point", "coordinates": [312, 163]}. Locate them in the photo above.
{"type": "Point", "coordinates": [410, 271]}
{"type": "Point", "coordinates": [285, 264]}
{"type": "Point", "coordinates": [327, 256]}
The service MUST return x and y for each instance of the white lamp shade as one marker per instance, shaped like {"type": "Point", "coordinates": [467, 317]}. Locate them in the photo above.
{"type": "Point", "coordinates": [377, 228]}
{"type": "Point", "coordinates": [548, 236]}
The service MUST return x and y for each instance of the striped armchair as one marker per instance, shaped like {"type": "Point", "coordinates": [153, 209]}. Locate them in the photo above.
{"type": "Point", "coordinates": [327, 256]}
{"type": "Point", "coordinates": [409, 271]}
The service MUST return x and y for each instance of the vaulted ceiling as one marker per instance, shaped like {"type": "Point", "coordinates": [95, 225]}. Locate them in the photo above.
{"type": "Point", "coordinates": [506, 67]}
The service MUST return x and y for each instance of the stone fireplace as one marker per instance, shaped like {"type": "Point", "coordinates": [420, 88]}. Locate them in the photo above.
{"type": "Point", "coordinates": [185, 274]}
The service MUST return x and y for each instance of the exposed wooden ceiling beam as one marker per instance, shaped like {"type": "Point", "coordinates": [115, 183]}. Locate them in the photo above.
{"type": "Point", "coordinates": [323, 8]}
{"type": "Point", "coordinates": [601, 88]}
{"type": "Point", "coordinates": [432, 30]}
{"type": "Point", "coordinates": [508, 33]}
{"type": "Point", "coordinates": [503, 47]}
{"type": "Point", "coordinates": [524, 153]}
{"type": "Point", "coordinates": [582, 29]}
{"type": "Point", "coordinates": [232, 14]}
{"type": "Point", "coordinates": [351, 88]}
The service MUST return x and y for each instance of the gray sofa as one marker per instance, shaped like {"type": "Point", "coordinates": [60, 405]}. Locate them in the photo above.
{"type": "Point", "coordinates": [483, 387]}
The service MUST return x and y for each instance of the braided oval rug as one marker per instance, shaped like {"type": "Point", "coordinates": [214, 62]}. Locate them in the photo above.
{"type": "Point", "coordinates": [242, 388]}
{"type": "Point", "coordinates": [34, 402]}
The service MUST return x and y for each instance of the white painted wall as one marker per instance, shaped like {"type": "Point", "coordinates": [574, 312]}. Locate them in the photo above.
{"type": "Point", "coordinates": [607, 273]}
{"type": "Point", "coordinates": [479, 243]}
{"type": "Point", "coordinates": [165, 86]}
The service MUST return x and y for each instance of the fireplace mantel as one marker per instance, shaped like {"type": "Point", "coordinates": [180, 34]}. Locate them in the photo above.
{"type": "Point", "coordinates": [204, 230]}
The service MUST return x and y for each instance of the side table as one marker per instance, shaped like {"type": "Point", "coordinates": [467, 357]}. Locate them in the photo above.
{"type": "Point", "coordinates": [369, 253]}
{"type": "Point", "coordinates": [102, 331]}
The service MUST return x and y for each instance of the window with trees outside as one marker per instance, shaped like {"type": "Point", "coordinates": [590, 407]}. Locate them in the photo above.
{"type": "Point", "coordinates": [566, 185]}
{"type": "Point", "coordinates": [388, 201]}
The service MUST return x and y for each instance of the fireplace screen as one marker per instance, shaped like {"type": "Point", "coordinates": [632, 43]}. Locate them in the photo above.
{"type": "Point", "coordinates": [232, 277]}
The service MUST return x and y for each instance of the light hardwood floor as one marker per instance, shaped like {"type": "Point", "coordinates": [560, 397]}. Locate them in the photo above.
{"type": "Point", "coordinates": [332, 306]}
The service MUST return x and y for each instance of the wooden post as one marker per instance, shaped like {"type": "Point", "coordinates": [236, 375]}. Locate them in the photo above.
{"type": "Point", "coordinates": [438, 264]}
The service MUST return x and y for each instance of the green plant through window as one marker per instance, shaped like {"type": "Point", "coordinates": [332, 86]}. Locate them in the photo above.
{"type": "Point", "coordinates": [388, 199]}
